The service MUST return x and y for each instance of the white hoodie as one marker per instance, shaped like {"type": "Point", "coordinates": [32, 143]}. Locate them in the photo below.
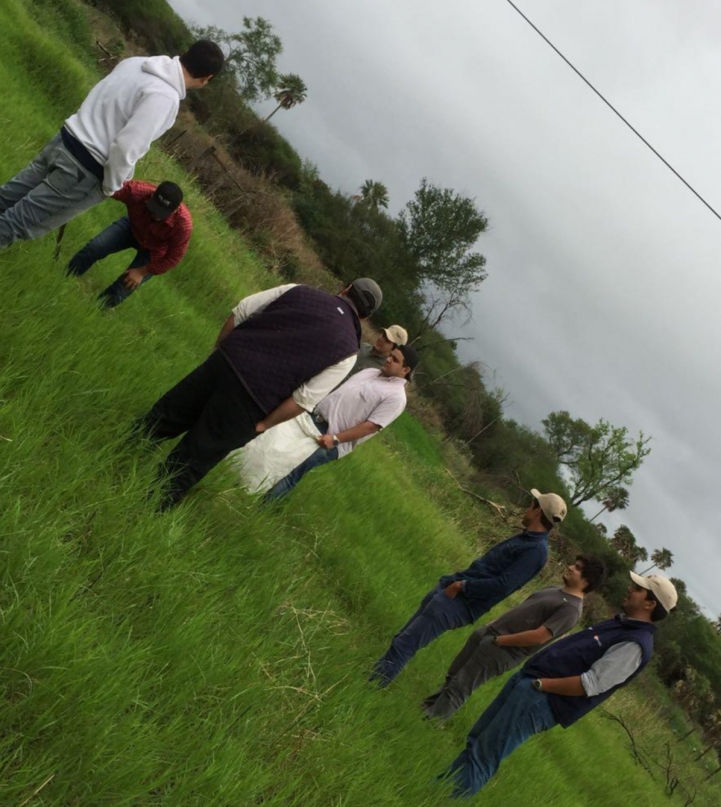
{"type": "Point", "coordinates": [126, 111]}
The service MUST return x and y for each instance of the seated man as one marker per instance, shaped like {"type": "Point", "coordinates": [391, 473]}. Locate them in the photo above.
{"type": "Point", "coordinates": [461, 598]}
{"type": "Point", "coordinates": [565, 681]}
{"type": "Point", "coordinates": [375, 355]}
{"type": "Point", "coordinates": [504, 643]}
{"type": "Point", "coordinates": [362, 406]}
{"type": "Point", "coordinates": [158, 227]}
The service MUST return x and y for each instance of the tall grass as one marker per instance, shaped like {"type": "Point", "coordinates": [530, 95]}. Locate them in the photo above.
{"type": "Point", "coordinates": [217, 654]}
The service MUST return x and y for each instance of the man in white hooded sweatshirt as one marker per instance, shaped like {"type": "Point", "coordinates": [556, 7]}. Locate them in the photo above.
{"type": "Point", "coordinates": [97, 147]}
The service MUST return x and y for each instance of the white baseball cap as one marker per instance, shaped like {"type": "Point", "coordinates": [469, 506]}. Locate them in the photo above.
{"type": "Point", "coordinates": [552, 505]}
{"type": "Point", "coordinates": [396, 334]}
{"type": "Point", "coordinates": [663, 589]}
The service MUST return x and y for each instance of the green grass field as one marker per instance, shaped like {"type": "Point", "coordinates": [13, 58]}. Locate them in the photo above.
{"type": "Point", "coordinates": [217, 654]}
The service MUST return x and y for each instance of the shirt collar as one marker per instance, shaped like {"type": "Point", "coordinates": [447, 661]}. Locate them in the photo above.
{"type": "Point", "coordinates": [536, 536]}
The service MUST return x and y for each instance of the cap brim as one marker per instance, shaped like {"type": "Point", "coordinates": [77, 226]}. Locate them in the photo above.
{"type": "Point", "coordinates": [640, 581]}
{"type": "Point", "coordinates": [535, 493]}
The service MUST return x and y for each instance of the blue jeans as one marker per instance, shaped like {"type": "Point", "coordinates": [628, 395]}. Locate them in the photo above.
{"type": "Point", "coordinates": [115, 238]}
{"type": "Point", "coordinates": [436, 614]}
{"type": "Point", "coordinates": [515, 716]}
{"type": "Point", "coordinates": [319, 457]}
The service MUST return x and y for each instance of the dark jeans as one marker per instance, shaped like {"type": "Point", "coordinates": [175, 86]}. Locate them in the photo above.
{"type": "Point", "coordinates": [479, 661]}
{"type": "Point", "coordinates": [319, 457]}
{"type": "Point", "coordinates": [217, 414]}
{"type": "Point", "coordinates": [115, 238]}
{"type": "Point", "coordinates": [437, 614]}
{"type": "Point", "coordinates": [515, 716]}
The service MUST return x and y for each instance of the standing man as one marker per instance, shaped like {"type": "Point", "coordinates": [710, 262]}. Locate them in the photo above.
{"type": "Point", "coordinates": [375, 355]}
{"type": "Point", "coordinates": [158, 227]}
{"type": "Point", "coordinates": [565, 681]}
{"type": "Point", "coordinates": [97, 147]}
{"type": "Point", "coordinates": [362, 406]}
{"type": "Point", "coordinates": [504, 643]}
{"type": "Point", "coordinates": [280, 352]}
{"type": "Point", "coordinates": [461, 598]}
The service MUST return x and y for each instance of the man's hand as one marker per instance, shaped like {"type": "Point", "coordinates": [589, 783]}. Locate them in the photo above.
{"type": "Point", "coordinates": [134, 277]}
{"type": "Point", "coordinates": [325, 440]}
{"type": "Point", "coordinates": [260, 427]}
{"type": "Point", "coordinates": [453, 590]}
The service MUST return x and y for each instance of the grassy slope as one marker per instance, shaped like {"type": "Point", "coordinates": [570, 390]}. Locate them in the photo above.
{"type": "Point", "coordinates": [215, 655]}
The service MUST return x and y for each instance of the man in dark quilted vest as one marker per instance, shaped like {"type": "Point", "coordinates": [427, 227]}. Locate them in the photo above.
{"type": "Point", "coordinates": [563, 682]}
{"type": "Point", "coordinates": [280, 352]}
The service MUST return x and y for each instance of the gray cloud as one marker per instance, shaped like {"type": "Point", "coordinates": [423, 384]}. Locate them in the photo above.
{"type": "Point", "coordinates": [604, 276]}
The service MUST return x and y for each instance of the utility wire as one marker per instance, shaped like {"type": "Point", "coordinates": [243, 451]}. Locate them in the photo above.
{"type": "Point", "coordinates": [613, 109]}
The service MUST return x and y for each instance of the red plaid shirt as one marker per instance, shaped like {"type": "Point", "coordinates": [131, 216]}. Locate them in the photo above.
{"type": "Point", "coordinates": [167, 240]}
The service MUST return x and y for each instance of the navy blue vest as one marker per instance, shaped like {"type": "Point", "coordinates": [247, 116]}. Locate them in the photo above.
{"type": "Point", "coordinates": [297, 336]}
{"type": "Point", "coordinates": [575, 655]}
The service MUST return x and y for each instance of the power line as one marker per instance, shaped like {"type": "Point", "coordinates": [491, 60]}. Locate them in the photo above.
{"type": "Point", "coordinates": [613, 109]}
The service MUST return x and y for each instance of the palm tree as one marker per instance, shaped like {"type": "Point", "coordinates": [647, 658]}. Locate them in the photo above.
{"type": "Point", "coordinates": [663, 558]}
{"type": "Point", "coordinates": [616, 499]}
{"type": "Point", "coordinates": [624, 542]}
{"type": "Point", "coordinates": [374, 194]}
{"type": "Point", "coordinates": [290, 92]}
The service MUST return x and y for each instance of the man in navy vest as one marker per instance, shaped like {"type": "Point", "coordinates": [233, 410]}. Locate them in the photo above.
{"type": "Point", "coordinates": [280, 352]}
{"type": "Point", "coordinates": [461, 598]}
{"type": "Point", "coordinates": [563, 682]}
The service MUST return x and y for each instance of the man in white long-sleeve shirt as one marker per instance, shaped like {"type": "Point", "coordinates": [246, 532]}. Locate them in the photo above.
{"type": "Point", "coordinates": [565, 681]}
{"type": "Point", "coordinates": [279, 353]}
{"type": "Point", "coordinates": [97, 148]}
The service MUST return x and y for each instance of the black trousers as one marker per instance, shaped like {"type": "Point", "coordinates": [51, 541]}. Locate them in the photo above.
{"type": "Point", "coordinates": [216, 413]}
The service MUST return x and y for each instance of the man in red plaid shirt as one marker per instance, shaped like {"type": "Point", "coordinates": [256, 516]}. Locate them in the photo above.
{"type": "Point", "coordinates": [158, 226]}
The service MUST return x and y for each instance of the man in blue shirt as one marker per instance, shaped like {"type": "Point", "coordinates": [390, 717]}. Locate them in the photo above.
{"type": "Point", "coordinates": [461, 598]}
{"type": "Point", "coordinates": [563, 682]}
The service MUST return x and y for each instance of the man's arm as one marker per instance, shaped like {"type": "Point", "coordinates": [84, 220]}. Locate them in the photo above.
{"type": "Point", "coordinates": [253, 304]}
{"type": "Point", "coordinates": [228, 326]}
{"type": "Point", "coordinates": [356, 433]}
{"type": "Point", "coordinates": [310, 394]}
{"type": "Point", "coordinates": [287, 410]}
{"type": "Point", "coordinates": [526, 638]}
{"type": "Point", "coordinates": [153, 116]}
{"type": "Point", "coordinates": [614, 667]}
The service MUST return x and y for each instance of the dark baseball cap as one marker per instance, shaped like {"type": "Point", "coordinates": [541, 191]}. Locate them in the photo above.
{"type": "Point", "coordinates": [165, 200]}
{"type": "Point", "coordinates": [370, 295]}
{"type": "Point", "coordinates": [410, 356]}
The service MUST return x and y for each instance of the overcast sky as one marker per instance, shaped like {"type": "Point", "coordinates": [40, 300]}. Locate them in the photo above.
{"type": "Point", "coordinates": [604, 278]}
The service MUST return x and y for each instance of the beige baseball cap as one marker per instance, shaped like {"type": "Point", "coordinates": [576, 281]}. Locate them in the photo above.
{"type": "Point", "coordinates": [662, 587]}
{"type": "Point", "coordinates": [396, 334]}
{"type": "Point", "coordinates": [552, 505]}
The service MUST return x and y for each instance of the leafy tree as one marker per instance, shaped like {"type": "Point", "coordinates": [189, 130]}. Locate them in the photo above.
{"type": "Point", "coordinates": [624, 542]}
{"type": "Point", "coordinates": [663, 558]}
{"type": "Point", "coordinates": [680, 585]}
{"type": "Point", "coordinates": [439, 227]}
{"type": "Point", "coordinates": [290, 92]}
{"type": "Point", "coordinates": [374, 194]}
{"type": "Point", "coordinates": [602, 528]}
{"type": "Point", "coordinates": [598, 458]}
{"type": "Point", "coordinates": [251, 55]}
{"type": "Point", "coordinates": [616, 499]}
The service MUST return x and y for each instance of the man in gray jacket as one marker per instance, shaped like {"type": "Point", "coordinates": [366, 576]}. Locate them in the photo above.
{"type": "Point", "coordinates": [97, 147]}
